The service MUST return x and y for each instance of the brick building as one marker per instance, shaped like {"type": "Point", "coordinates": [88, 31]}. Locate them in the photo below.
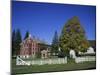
{"type": "Point", "coordinates": [31, 47]}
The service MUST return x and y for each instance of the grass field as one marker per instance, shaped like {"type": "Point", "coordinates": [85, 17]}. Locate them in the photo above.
{"type": "Point", "coordinates": [70, 66]}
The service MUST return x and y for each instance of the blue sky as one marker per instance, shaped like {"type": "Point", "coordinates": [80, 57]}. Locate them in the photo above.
{"type": "Point", "coordinates": [43, 19]}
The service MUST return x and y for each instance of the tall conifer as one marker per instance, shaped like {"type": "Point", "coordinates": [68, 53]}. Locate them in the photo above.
{"type": "Point", "coordinates": [26, 35]}
{"type": "Point", "coordinates": [55, 43]}
{"type": "Point", "coordinates": [18, 40]}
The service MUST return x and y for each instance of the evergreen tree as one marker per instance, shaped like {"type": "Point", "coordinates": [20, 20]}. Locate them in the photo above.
{"type": "Point", "coordinates": [55, 43]}
{"type": "Point", "coordinates": [73, 36]}
{"type": "Point", "coordinates": [26, 35]}
{"type": "Point", "coordinates": [18, 40]}
{"type": "Point", "coordinates": [13, 42]}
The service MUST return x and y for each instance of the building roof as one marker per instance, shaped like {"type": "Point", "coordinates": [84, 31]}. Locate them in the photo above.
{"type": "Point", "coordinates": [37, 40]}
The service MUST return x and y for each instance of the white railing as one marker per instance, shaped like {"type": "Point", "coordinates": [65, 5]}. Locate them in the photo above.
{"type": "Point", "coordinates": [84, 59]}
{"type": "Point", "coordinates": [19, 61]}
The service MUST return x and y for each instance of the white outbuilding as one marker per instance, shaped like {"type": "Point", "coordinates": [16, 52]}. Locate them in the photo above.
{"type": "Point", "coordinates": [72, 54]}
{"type": "Point", "coordinates": [90, 50]}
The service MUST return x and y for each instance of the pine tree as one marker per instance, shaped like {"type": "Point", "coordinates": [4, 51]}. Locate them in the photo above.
{"type": "Point", "coordinates": [26, 35]}
{"type": "Point", "coordinates": [55, 43]}
{"type": "Point", "coordinates": [18, 40]}
{"type": "Point", "coordinates": [73, 36]}
{"type": "Point", "coordinates": [13, 42]}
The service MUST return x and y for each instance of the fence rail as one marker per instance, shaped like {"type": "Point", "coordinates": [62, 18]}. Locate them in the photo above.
{"type": "Point", "coordinates": [19, 61]}
{"type": "Point", "coordinates": [84, 59]}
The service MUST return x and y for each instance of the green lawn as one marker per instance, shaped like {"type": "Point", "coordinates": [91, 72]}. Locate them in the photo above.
{"type": "Point", "coordinates": [54, 67]}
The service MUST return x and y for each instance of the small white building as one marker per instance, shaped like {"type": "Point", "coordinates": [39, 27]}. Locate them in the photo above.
{"type": "Point", "coordinates": [90, 50]}
{"type": "Point", "coordinates": [72, 54]}
{"type": "Point", "coordinates": [45, 54]}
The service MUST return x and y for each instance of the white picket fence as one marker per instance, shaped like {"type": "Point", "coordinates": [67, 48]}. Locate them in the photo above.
{"type": "Point", "coordinates": [84, 59]}
{"type": "Point", "coordinates": [19, 61]}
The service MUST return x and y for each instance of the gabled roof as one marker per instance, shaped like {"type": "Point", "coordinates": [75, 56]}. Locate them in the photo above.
{"type": "Point", "coordinates": [34, 39]}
